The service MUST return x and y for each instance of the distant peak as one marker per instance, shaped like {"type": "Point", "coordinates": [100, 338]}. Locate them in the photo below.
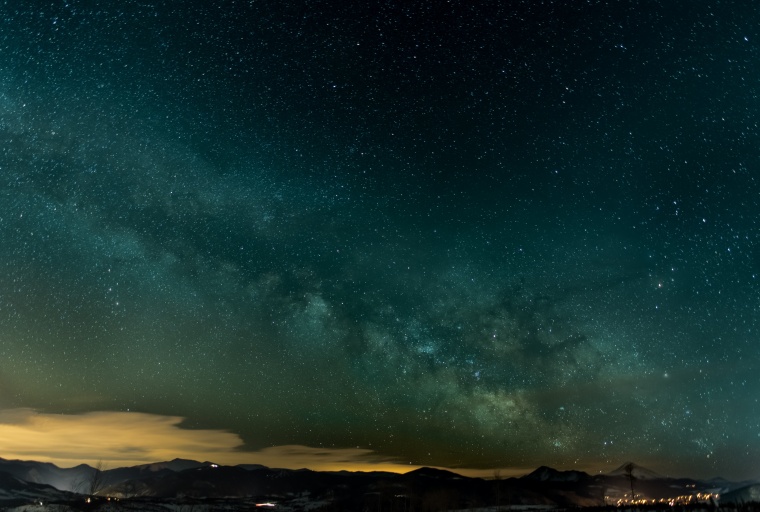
{"type": "Point", "coordinates": [433, 473]}
{"type": "Point", "coordinates": [174, 465]}
{"type": "Point", "coordinates": [545, 473]}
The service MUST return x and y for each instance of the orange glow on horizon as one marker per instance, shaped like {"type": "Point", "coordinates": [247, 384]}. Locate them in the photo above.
{"type": "Point", "coordinates": [121, 439]}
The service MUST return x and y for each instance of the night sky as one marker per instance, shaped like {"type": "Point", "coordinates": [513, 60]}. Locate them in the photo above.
{"type": "Point", "coordinates": [465, 234]}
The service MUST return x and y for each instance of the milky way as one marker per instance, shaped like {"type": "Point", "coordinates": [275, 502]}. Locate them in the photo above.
{"type": "Point", "coordinates": [462, 234]}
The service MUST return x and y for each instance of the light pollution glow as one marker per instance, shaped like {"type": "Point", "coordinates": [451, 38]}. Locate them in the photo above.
{"type": "Point", "coordinates": [120, 439]}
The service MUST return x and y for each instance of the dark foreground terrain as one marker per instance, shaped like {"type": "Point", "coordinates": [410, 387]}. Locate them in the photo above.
{"type": "Point", "coordinates": [191, 486]}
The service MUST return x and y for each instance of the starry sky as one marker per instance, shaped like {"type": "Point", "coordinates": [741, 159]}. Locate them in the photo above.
{"type": "Point", "coordinates": [463, 234]}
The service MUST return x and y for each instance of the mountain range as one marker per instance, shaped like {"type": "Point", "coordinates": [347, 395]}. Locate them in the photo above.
{"type": "Point", "coordinates": [206, 485]}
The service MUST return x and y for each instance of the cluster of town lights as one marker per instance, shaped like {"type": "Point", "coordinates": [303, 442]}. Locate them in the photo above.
{"type": "Point", "coordinates": [686, 499]}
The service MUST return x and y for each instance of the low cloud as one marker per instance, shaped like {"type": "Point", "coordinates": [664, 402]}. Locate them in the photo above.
{"type": "Point", "coordinates": [118, 438]}
{"type": "Point", "coordinates": [130, 438]}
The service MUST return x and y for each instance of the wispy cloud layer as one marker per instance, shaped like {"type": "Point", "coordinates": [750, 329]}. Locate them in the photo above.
{"type": "Point", "coordinates": [132, 438]}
